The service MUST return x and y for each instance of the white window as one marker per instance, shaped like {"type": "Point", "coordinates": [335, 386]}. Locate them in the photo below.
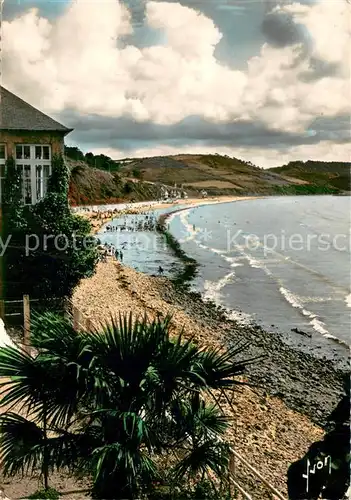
{"type": "Point", "coordinates": [2, 168]}
{"type": "Point", "coordinates": [35, 163]}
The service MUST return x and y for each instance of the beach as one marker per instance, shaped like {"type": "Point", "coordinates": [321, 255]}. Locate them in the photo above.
{"type": "Point", "coordinates": [275, 421]}
{"type": "Point", "coordinates": [289, 393]}
{"type": "Point", "coordinates": [99, 215]}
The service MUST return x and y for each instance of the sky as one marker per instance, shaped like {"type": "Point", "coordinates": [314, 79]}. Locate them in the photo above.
{"type": "Point", "coordinates": [263, 80]}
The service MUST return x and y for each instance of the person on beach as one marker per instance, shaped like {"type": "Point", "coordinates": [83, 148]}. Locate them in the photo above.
{"type": "Point", "coordinates": [121, 255]}
{"type": "Point", "coordinates": [160, 270]}
{"type": "Point", "coordinates": [104, 256]}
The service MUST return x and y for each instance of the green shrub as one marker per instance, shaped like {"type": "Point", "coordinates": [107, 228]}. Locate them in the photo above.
{"type": "Point", "coordinates": [50, 494]}
{"type": "Point", "coordinates": [50, 250]}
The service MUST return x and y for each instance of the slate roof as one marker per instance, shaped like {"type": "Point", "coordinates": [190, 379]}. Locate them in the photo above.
{"type": "Point", "coordinates": [16, 114]}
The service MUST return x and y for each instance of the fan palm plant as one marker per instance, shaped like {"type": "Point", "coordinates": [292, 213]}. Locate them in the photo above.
{"type": "Point", "coordinates": [108, 404]}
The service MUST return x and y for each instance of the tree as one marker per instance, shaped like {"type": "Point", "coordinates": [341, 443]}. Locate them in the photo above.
{"type": "Point", "coordinates": [137, 173]}
{"type": "Point", "coordinates": [74, 153]}
{"type": "Point", "coordinates": [115, 402]}
{"type": "Point", "coordinates": [90, 159]}
{"type": "Point", "coordinates": [50, 249]}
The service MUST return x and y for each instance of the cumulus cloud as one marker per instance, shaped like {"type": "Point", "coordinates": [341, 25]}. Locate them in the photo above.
{"type": "Point", "coordinates": [78, 62]}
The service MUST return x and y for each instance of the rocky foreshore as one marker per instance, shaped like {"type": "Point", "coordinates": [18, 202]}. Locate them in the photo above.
{"type": "Point", "coordinates": [305, 383]}
{"type": "Point", "coordinates": [276, 420]}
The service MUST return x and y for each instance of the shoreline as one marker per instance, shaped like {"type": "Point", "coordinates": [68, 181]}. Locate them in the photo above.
{"type": "Point", "coordinates": [278, 418]}
{"type": "Point", "coordinates": [98, 218]}
{"type": "Point", "coordinates": [183, 278]}
{"type": "Point", "coordinates": [295, 369]}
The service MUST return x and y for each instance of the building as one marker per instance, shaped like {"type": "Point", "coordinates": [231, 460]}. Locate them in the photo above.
{"type": "Point", "coordinates": [32, 138]}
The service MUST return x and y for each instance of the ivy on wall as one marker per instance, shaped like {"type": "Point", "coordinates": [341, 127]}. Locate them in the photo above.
{"type": "Point", "coordinates": [50, 249]}
{"type": "Point", "coordinates": [12, 197]}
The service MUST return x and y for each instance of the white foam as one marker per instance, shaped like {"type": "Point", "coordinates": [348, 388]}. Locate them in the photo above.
{"type": "Point", "coordinates": [239, 317]}
{"type": "Point", "coordinates": [254, 262]}
{"type": "Point", "coordinates": [171, 217]}
{"type": "Point", "coordinates": [348, 300]}
{"type": "Point", "coordinates": [234, 261]}
{"type": "Point", "coordinates": [188, 228]}
{"type": "Point", "coordinates": [318, 325]}
{"type": "Point", "coordinates": [315, 300]}
{"type": "Point", "coordinates": [213, 288]}
{"type": "Point", "coordinates": [216, 250]}
{"type": "Point", "coordinates": [212, 292]}
{"type": "Point", "coordinates": [291, 298]}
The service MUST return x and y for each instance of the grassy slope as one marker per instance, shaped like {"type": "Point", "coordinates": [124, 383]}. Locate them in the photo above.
{"type": "Point", "coordinates": [326, 174]}
{"type": "Point", "coordinates": [218, 175]}
{"type": "Point", "coordinates": [89, 186]}
{"type": "Point", "coordinates": [214, 173]}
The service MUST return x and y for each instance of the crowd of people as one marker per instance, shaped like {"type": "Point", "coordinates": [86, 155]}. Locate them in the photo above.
{"type": "Point", "coordinates": [145, 223]}
{"type": "Point", "coordinates": [108, 250]}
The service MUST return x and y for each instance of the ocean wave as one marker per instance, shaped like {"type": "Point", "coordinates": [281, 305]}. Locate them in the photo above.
{"type": "Point", "coordinates": [189, 231]}
{"type": "Point", "coordinates": [233, 261]}
{"type": "Point", "coordinates": [215, 250]}
{"type": "Point", "coordinates": [318, 325]}
{"type": "Point", "coordinates": [212, 291]}
{"type": "Point", "coordinates": [315, 300]}
{"type": "Point", "coordinates": [348, 300]}
{"type": "Point", "coordinates": [239, 317]}
{"type": "Point", "coordinates": [212, 288]}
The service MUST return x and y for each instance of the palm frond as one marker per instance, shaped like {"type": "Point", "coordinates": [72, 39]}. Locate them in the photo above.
{"type": "Point", "coordinates": [21, 444]}
{"type": "Point", "coordinates": [52, 333]}
{"type": "Point", "coordinates": [26, 379]}
{"type": "Point", "coordinates": [217, 368]}
{"type": "Point", "coordinates": [211, 455]}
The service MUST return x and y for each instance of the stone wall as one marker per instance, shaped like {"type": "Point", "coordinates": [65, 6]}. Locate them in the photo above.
{"type": "Point", "coordinates": [11, 138]}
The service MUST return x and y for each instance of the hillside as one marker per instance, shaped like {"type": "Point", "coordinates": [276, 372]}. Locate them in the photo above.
{"type": "Point", "coordinates": [147, 178]}
{"type": "Point", "coordinates": [329, 174]}
{"type": "Point", "coordinates": [213, 173]}
{"type": "Point", "coordinates": [219, 175]}
{"type": "Point", "coordinates": [93, 186]}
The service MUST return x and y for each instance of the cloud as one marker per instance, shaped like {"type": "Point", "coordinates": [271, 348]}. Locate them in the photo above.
{"type": "Point", "coordinates": [281, 29]}
{"type": "Point", "coordinates": [124, 133]}
{"type": "Point", "coordinates": [78, 62]}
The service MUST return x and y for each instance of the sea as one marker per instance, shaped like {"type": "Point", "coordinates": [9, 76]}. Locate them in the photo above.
{"type": "Point", "coordinates": [279, 262]}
